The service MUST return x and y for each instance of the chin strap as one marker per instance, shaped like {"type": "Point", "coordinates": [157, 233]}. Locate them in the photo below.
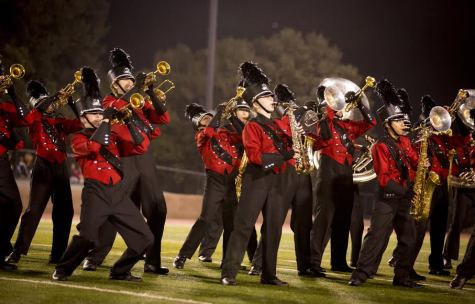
{"type": "Point", "coordinates": [262, 107]}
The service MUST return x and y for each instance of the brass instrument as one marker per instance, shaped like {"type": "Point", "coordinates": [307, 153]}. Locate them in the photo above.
{"type": "Point", "coordinates": [66, 92]}
{"type": "Point", "coordinates": [136, 101]}
{"type": "Point", "coordinates": [341, 94]}
{"type": "Point", "coordinates": [465, 179]}
{"type": "Point", "coordinates": [163, 68]}
{"type": "Point", "coordinates": [238, 180]}
{"type": "Point", "coordinates": [463, 111]}
{"type": "Point", "coordinates": [162, 93]}
{"type": "Point", "coordinates": [230, 105]}
{"type": "Point", "coordinates": [303, 163]}
{"type": "Point", "coordinates": [426, 181]}
{"type": "Point", "coordinates": [363, 170]}
{"type": "Point", "coordinates": [352, 103]}
{"type": "Point", "coordinates": [17, 71]}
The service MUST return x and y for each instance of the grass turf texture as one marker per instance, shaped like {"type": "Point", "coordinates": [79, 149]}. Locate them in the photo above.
{"type": "Point", "coordinates": [199, 282]}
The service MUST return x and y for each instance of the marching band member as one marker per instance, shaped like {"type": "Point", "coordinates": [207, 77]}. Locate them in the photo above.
{"type": "Point", "coordinates": [97, 149]}
{"type": "Point", "coordinates": [12, 112]}
{"type": "Point", "coordinates": [221, 150]}
{"type": "Point", "coordinates": [50, 176]}
{"type": "Point", "coordinates": [268, 147]}
{"type": "Point", "coordinates": [334, 137]}
{"type": "Point", "coordinates": [394, 161]}
{"type": "Point", "coordinates": [140, 175]}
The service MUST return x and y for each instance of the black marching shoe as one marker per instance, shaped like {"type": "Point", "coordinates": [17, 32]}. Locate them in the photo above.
{"type": "Point", "coordinates": [342, 268]}
{"type": "Point", "coordinates": [458, 282]}
{"type": "Point", "coordinates": [413, 275]}
{"type": "Point", "coordinates": [59, 275]}
{"type": "Point", "coordinates": [406, 283]}
{"type": "Point", "coordinates": [392, 262]}
{"type": "Point", "coordinates": [447, 264]}
{"type": "Point", "coordinates": [254, 271]}
{"type": "Point", "coordinates": [228, 281]}
{"type": "Point", "coordinates": [205, 259]}
{"type": "Point", "coordinates": [179, 262]}
{"type": "Point", "coordinates": [125, 277]}
{"type": "Point", "coordinates": [275, 282]}
{"type": "Point", "coordinates": [7, 266]}
{"type": "Point", "coordinates": [439, 272]}
{"type": "Point", "coordinates": [149, 268]}
{"type": "Point", "coordinates": [311, 273]}
{"type": "Point", "coordinates": [13, 257]}
{"type": "Point", "coordinates": [355, 282]}
{"type": "Point", "coordinates": [89, 265]}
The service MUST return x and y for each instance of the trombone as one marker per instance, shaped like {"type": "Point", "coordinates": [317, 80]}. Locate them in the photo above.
{"type": "Point", "coordinates": [17, 71]}
{"type": "Point", "coordinates": [66, 92]}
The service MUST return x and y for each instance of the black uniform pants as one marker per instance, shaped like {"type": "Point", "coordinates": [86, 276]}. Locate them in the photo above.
{"type": "Point", "coordinates": [467, 267]}
{"type": "Point", "coordinates": [215, 229]}
{"type": "Point", "coordinates": [10, 206]}
{"type": "Point", "coordinates": [463, 201]}
{"type": "Point", "coordinates": [333, 212]}
{"type": "Point", "coordinates": [101, 203]}
{"type": "Point", "coordinates": [48, 180]}
{"type": "Point", "coordinates": [143, 186]}
{"type": "Point", "coordinates": [266, 192]}
{"type": "Point", "coordinates": [357, 227]}
{"type": "Point", "coordinates": [387, 215]}
{"type": "Point", "coordinates": [300, 222]}
{"type": "Point", "coordinates": [220, 191]}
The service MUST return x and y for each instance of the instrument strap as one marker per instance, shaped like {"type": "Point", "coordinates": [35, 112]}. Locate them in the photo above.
{"type": "Point", "coordinates": [220, 152]}
{"type": "Point", "coordinates": [142, 125]}
{"type": "Point", "coordinates": [108, 156]}
{"type": "Point", "coordinates": [53, 134]}
{"type": "Point", "coordinates": [276, 139]}
{"type": "Point", "coordinates": [345, 140]}
{"type": "Point", "coordinates": [397, 155]}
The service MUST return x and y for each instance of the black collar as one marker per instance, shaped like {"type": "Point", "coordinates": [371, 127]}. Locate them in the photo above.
{"type": "Point", "coordinates": [262, 119]}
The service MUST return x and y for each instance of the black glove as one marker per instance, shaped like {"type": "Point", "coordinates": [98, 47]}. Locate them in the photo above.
{"type": "Point", "coordinates": [237, 124]}
{"type": "Point", "coordinates": [109, 113]}
{"type": "Point", "coordinates": [102, 134]}
{"type": "Point", "coordinates": [134, 133]}
{"type": "Point", "coordinates": [364, 111]}
{"type": "Point", "coordinates": [73, 107]}
{"type": "Point", "coordinates": [299, 113]}
{"type": "Point", "coordinates": [159, 106]}
{"type": "Point", "coordinates": [21, 108]}
{"type": "Point", "coordinates": [216, 120]}
{"type": "Point", "coordinates": [271, 160]}
{"type": "Point", "coordinates": [325, 133]}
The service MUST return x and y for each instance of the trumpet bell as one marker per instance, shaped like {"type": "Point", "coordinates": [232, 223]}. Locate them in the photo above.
{"type": "Point", "coordinates": [440, 119]}
{"type": "Point", "coordinates": [17, 71]}
{"type": "Point", "coordinates": [464, 111]}
{"type": "Point", "coordinates": [163, 68]}
{"type": "Point", "coordinates": [137, 101]}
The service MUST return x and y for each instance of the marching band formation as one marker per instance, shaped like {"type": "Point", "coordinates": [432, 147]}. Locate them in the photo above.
{"type": "Point", "coordinates": [263, 154]}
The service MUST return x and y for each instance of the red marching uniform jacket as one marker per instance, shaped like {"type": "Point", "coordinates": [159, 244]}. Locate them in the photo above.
{"type": "Point", "coordinates": [334, 147]}
{"type": "Point", "coordinates": [463, 159]}
{"type": "Point", "coordinates": [257, 141]}
{"type": "Point", "coordinates": [438, 150]}
{"type": "Point", "coordinates": [9, 120]}
{"type": "Point", "coordinates": [90, 158]}
{"type": "Point", "coordinates": [147, 115]}
{"type": "Point", "coordinates": [385, 165]}
{"type": "Point", "coordinates": [208, 139]}
{"type": "Point", "coordinates": [48, 134]}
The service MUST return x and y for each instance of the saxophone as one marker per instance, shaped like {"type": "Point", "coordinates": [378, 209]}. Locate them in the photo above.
{"type": "Point", "coordinates": [303, 163]}
{"type": "Point", "coordinates": [425, 181]}
{"type": "Point", "coordinates": [238, 180]}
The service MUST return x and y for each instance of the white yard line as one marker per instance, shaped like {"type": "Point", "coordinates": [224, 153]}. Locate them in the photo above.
{"type": "Point", "coordinates": [112, 291]}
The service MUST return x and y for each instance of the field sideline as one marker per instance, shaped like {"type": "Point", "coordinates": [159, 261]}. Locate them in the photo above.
{"type": "Point", "coordinates": [199, 282]}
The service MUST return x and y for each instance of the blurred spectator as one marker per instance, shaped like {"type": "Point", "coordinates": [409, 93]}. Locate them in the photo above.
{"type": "Point", "coordinates": [75, 174]}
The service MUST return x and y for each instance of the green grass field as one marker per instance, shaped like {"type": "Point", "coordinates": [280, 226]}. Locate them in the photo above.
{"type": "Point", "coordinates": [199, 282]}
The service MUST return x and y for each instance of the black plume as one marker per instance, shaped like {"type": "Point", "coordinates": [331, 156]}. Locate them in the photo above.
{"type": "Point", "coordinates": [472, 113]}
{"type": "Point", "coordinates": [427, 103]}
{"type": "Point", "coordinates": [35, 89]}
{"type": "Point", "coordinates": [194, 109]}
{"type": "Point", "coordinates": [91, 82]}
{"type": "Point", "coordinates": [251, 73]}
{"type": "Point", "coordinates": [119, 58]}
{"type": "Point", "coordinates": [283, 93]}
{"type": "Point", "coordinates": [404, 96]}
{"type": "Point", "coordinates": [387, 92]}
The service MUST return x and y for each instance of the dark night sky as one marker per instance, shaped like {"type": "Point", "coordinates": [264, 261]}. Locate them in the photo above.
{"type": "Point", "coordinates": [424, 46]}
